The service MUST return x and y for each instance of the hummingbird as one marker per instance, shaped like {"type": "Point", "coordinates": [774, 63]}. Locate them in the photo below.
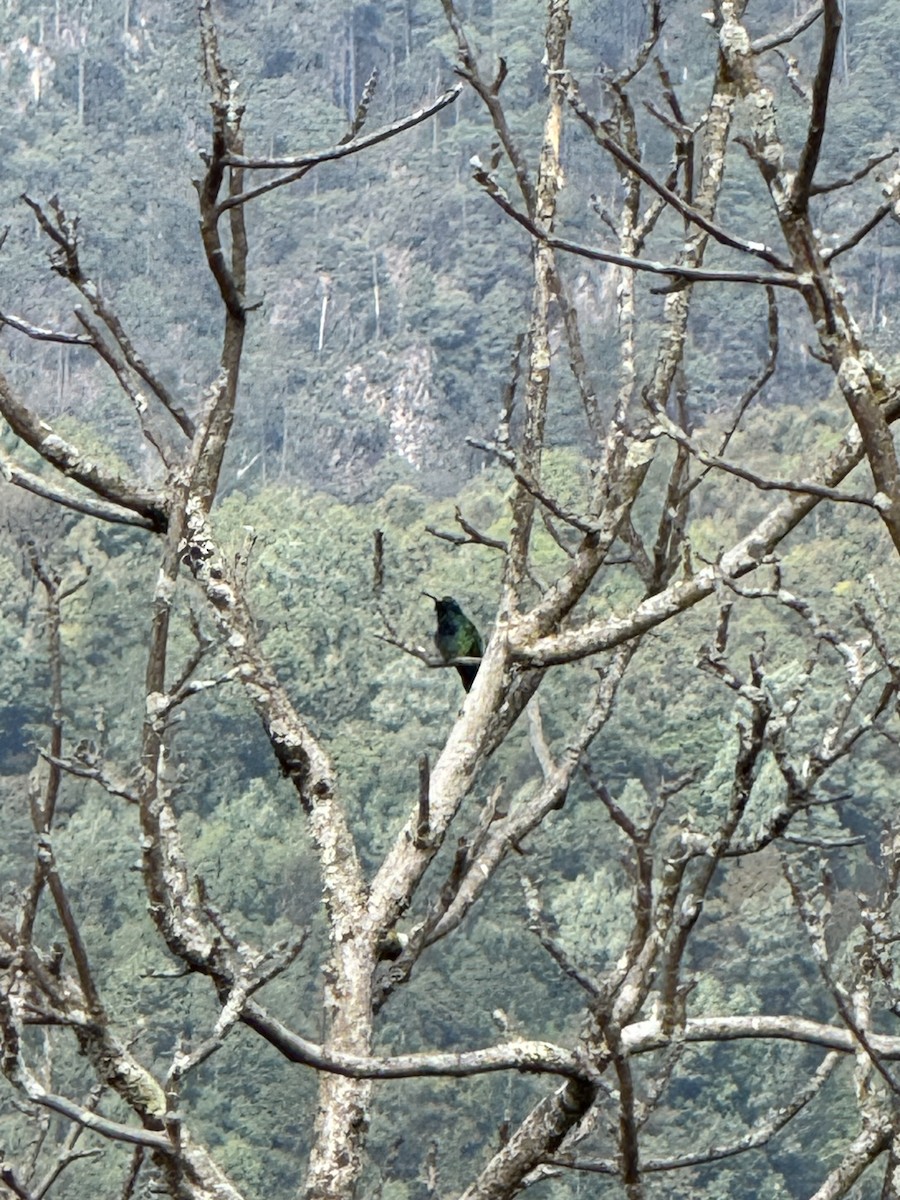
{"type": "Point", "coordinates": [456, 637]}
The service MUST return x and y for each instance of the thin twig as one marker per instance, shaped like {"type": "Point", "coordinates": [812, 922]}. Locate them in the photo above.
{"type": "Point", "coordinates": [39, 334]}
{"type": "Point", "coordinates": [299, 165]}
{"type": "Point", "coordinates": [675, 270]}
{"type": "Point", "coordinates": [812, 145]}
{"type": "Point", "coordinates": [691, 214]}
{"type": "Point", "coordinates": [774, 1121]}
{"type": "Point", "coordinates": [833, 185]}
{"type": "Point", "coordinates": [771, 40]}
{"type": "Point", "coordinates": [884, 210]}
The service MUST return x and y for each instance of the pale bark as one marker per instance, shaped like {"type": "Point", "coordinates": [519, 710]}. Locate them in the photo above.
{"type": "Point", "coordinates": [639, 1006]}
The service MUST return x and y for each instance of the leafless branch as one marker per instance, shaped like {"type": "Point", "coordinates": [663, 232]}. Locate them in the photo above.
{"type": "Point", "coordinates": [524, 479]}
{"type": "Point", "coordinates": [424, 656]}
{"type": "Point", "coordinates": [21, 1078]}
{"type": "Point", "coordinates": [469, 536]}
{"type": "Point", "coordinates": [756, 249]}
{"type": "Point", "coordinates": [834, 185]}
{"type": "Point", "coordinates": [872, 1140]}
{"type": "Point", "coordinates": [362, 109]}
{"type": "Point", "coordinates": [137, 1162]}
{"type": "Point", "coordinates": [770, 41]}
{"type": "Point", "coordinates": [63, 233]}
{"type": "Point", "coordinates": [564, 544]}
{"type": "Point", "coordinates": [119, 370]}
{"type": "Point", "coordinates": [38, 486]}
{"type": "Point", "coordinates": [489, 94]}
{"type": "Point", "coordinates": [530, 1056]}
{"type": "Point", "coordinates": [629, 1159]}
{"type": "Point", "coordinates": [815, 929]}
{"type": "Point", "coordinates": [768, 370]}
{"type": "Point", "coordinates": [538, 740]}
{"type": "Point", "coordinates": [87, 768]}
{"type": "Point", "coordinates": [298, 166]}
{"type": "Point", "coordinates": [10, 1179]}
{"type": "Point", "coordinates": [823, 843]}
{"type": "Point", "coordinates": [423, 827]}
{"type": "Point", "coordinates": [751, 740]}
{"type": "Point", "coordinates": [809, 155]}
{"type": "Point", "coordinates": [644, 1036]}
{"type": "Point", "coordinates": [675, 270]}
{"type": "Point", "coordinates": [578, 364]}
{"type": "Point", "coordinates": [774, 1121]}
{"type": "Point", "coordinates": [74, 464]}
{"type": "Point", "coordinates": [551, 796]}
{"type": "Point", "coordinates": [67, 1155]}
{"type": "Point", "coordinates": [864, 230]}
{"type": "Point", "coordinates": [541, 926]}
{"type": "Point", "coordinates": [803, 487]}
{"type": "Point", "coordinates": [655, 21]}
{"type": "Point", "coordinates": [39, 334]}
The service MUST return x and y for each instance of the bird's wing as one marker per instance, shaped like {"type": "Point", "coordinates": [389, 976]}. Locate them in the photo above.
{"type": "Point", "coordinates": [474, 645]}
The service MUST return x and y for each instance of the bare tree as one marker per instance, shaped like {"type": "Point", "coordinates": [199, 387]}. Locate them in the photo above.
{"type": "Point", "coordinates": [778, 786]}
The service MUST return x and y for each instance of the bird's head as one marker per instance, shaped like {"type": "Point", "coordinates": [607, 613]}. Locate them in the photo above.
{"type": "Point", "coordinates": [444, 605]}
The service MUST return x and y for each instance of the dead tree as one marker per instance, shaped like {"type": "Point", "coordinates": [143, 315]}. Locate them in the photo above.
{"type": "Point", "coordinates": [593, 1113]}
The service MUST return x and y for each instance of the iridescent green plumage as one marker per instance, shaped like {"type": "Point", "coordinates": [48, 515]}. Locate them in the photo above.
{"type": "Point", "coordinates": [456, 637]}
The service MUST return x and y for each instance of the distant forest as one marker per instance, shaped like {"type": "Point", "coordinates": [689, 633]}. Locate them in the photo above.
{"type": "Point", "coordinates": [320, 321]}
{"type": "Point", "coordinates": [390, 291]}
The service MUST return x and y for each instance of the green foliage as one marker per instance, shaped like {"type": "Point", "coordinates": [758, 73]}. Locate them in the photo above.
{"type": "Point", "coordinates": [353, 417]}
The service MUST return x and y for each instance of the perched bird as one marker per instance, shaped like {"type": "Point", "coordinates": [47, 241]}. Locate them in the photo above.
{"type": "Point", "coordinates": [456, 637]}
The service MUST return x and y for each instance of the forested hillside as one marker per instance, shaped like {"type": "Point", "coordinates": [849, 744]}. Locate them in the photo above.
{"type": "Point", "coordinates": [583, 312]}
{"type": "Point", "coordinates": [391, 293]}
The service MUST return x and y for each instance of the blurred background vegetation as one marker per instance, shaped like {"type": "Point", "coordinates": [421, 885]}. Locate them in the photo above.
{"type": "Point", "coordinates": [391, 294]}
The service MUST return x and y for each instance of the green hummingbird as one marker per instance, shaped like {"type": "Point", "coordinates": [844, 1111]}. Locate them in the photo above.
{"type": "Point", "coordinates": [456, 637]}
